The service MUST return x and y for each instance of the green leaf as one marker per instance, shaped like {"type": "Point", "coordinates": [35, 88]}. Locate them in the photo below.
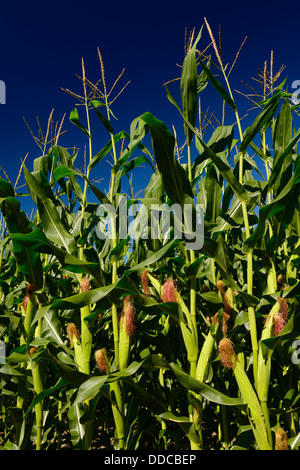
{"type": "Point", "coordinates": [6, 189]}
{"type": "Point", "coordinates": [217, 85]}
{"type": "Point", "coordinates": [66, 160]}
{"type": "Point", "coordinates": [277, 168]}
{"type": "Point", "coordinates": [174, 177]}
{"type": "Point", "coordinates": [189, 89]}
{"type": "Point", "coordinates": [279, 205]}
{"type": "Point", "coordinates": [153, 258]}
{"type": "Point", "coordinates": [123, 287]}
{"type": "Point", "coordinates": [260, 121]}
{"type": "Point", "coordinates": [213, 186]}
{"type": "Point", "coordinates": [27, 258]}
{"type": "Point", "coordinates": [74, 118]}
{"type": "Point", "coordinates": [104, 121]}
{"type": "Point", "coordinates": [222, 165]}
{"type": "Point", "coordinates": [62, 171]}
{"type": "Point", "coordinates": [52, 224]}
{"type": "Point", "coordinates": [76, 428]}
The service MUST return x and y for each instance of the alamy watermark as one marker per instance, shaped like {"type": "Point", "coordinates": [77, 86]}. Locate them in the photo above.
{"type": "Point", "coordinates": [295, 96]}
{"type": "Point", "coordinates": [154, 221]}
{"type": "Point", "coordinates": [296, 354]}
{"type": "Point", "coordinates": [2, 92]}
{"type": "Point", "coordinates": [2, 352]}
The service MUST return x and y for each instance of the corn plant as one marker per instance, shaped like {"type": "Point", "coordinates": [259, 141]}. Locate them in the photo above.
{"type": "Point", "coordinates": [150, 334]}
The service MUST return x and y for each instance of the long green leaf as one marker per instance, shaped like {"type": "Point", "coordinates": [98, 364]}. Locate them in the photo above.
{"type": "Point", "coordinates": [52, 224]}
{"type": "Point", "coordinates": [174, 177]}
{"type": "Point", "coordinates": [222, 166]}
{"type": "Point", "coordinates": [74, 118]}
{"type": "Point", "coordinates": [217, 85]}
{"type": "Point", "coordinates": [189, 89]}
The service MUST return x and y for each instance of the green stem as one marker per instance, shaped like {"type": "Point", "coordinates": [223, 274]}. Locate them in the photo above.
{"type": "Point", "coordinates": [192, 259]}
{"type": "Point", "coordinates": [225, 427]}
{"type": "Point", "coordinates": [251, 311]}
{"type": "Point", "coordinates": [118, 411]}
{"type": "Point", "coordinates": [265, 411]}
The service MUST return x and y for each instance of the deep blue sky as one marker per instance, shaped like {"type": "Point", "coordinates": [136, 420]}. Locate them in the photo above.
{"type": "Point", "coordinates": [42, 43]}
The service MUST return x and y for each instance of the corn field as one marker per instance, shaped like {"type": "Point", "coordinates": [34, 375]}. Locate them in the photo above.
{"type": "Point", "coordinates": [127, 336]}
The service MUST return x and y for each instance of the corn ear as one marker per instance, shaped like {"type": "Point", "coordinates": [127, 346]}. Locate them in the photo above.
{"type": "Point", "coordinates": [124, 345]}
{"type": "Point", "coordinates": [126, 331]}
{"type": "Point", "coordinates": [205, 355]}
{"type": "Point", "coordinates": [31, 309]}
{"type": "Point", "coordinates": [86, 337]}
{"type": "Point", "coordinates": [230, 361]}
{"type": "Point", "coordinates": [264, 364]}
{"type": "Point", "coordinates": [74, 338]}
{"type": "Point", "coordinates": [249, 396]}
{"type": "Point", "coordinates": [188, 330]}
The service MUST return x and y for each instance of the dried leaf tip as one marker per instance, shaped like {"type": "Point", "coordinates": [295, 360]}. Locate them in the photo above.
{"type": "Point", "coordinates": [228, 356]}
{"type": "Point", "coordinates": [221, 287]}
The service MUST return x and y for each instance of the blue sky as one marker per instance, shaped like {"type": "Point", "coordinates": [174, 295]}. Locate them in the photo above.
{"type": "Point", "coordinates": [42, 43]}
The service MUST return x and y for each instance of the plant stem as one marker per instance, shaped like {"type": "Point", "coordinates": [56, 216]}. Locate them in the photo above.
{"type": "Point", "coordinates": [251, 311]}
{"type": "Point", "coordinates": [265, 411]}
{"type": "Point", "coordinates": [192, 259]}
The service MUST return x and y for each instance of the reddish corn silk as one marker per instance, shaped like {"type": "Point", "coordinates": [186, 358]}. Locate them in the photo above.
{"type": "Point", "coordinates": [127, 315]}
{"type": "Point", "coordinates": [169, 291]}
{"type": "Point", "coordinates": [278, 324]}
{"type": "Point", "coordinates": [30, 289]}
{"type": "Point", "coordinates": [227, 303]}
{"type": "Point", "coordinates": [284, 308]}
{"type": "Point", "coordinates": [228, 356]}
{"type": "Point", "coordinates": [25, 302]}
{"type": "Point", "coordinates": [101, 360]}
{"type": "Point", "coordinates": [145, 284]}
{"type": "Point", "coordinates": [280, 319]}
{"type": "Point", "coordinates": [225, 320]}
{"type": "Point", "coordinates": [85, 284]}
{"type": "Point", "coordinates": [71, 332]}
